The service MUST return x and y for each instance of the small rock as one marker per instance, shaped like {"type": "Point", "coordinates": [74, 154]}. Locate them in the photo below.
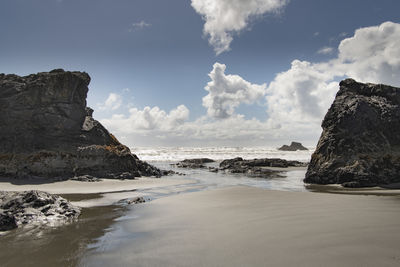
{"type": "Point", "coordinates": [7, 222]}
{"type": "Point", "coordinates": [193, 163]}
{"type": "Point", "coordinates": [135, 200]}
{"type": "Point", "coordinates": [86, 178]}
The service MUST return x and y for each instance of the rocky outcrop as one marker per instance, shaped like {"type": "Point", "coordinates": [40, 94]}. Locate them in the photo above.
{"type": "Point", "coordinates": [360, 142]}
{"type": "Point", "coordinates": [257, 167]}
{"type": "Point", "coordinates": [294, 146]}
{"type": "Point", "coordinates": [34, 207]}
{"type": "Point", "coordinates": [193, 163]}
{"type": "Point", "coordinates": [47, 131]}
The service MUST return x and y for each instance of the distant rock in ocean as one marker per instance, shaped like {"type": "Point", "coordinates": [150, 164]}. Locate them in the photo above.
{"type": "Point", "coordinates": [47, 131]}
{"type": "Point", "coordinates": [294, 146]}
{"type": "Point", "coordinates": [360, 142]}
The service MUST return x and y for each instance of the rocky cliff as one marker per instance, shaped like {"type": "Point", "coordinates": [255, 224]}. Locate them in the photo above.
{"type": "Point", "coordinates": [360, 142]}
{"type": "Point", "coordinates": [47, 131]}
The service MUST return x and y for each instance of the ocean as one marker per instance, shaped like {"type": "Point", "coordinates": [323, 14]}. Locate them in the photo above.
{"type": "Point", "coordinates": [163, 157]}
{"type": "Point", "coordinates": [174, 154]}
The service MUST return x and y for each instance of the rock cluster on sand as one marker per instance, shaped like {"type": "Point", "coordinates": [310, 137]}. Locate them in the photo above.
{"type": "Point", "coordinates": [253, 168]}
{"type": "Point", "coordinates": [34, 207]}
{"type": "Point", "coordinates": [47, 131]}
{"type": "Point", "coordinates": [257, 167]}
{"type": "Point", "coordinates": [294, 146]}
{"type": "Point", "coordinates": [360, 142]}
{"type": "Point", "coordinates": [193, 163]}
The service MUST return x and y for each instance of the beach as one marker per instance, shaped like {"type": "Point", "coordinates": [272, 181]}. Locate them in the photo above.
{"type": "Point", "coordinates": [243, 226]}
{"type": "Point", "coordinates": [211, 219]}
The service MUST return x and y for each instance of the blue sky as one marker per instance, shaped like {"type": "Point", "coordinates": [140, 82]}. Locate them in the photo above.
{"type": "Point", "coordinates": [158, 54]}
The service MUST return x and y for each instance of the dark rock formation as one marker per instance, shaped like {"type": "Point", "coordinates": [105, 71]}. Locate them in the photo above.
{"type": "Point", "coordinates": [171, 172]}
{"type": "Point", "coordinates": [193, 163]}
{"type": "Point", "coordinates": [7, 222]}
{"type": "Point", "coordinates": [47, 131]}
{"type": "Point", "coordinates": [265, 162]}
{"type": "Point", "coordinates": [257, 167]}
{"type": "Point", "coordinates": [360, 142]}
{"type": "Point", "coordinates": [34, 207]}
{"type": "Point", "coordinates": [294, 146]}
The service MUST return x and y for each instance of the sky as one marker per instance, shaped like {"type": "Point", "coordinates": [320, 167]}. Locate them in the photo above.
{"type": "Point", "coordinates": [206, 72]}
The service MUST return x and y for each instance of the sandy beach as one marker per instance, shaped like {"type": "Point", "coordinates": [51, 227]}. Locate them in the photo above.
{"type": "Point", "coordinates": [243, 226]}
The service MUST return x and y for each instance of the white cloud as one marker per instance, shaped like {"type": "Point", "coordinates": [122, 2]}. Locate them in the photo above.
{"type": "Point", "coordinates": [303, 94]}
{"type": "Point", "coordinates": [224, 18]}
{"type": "Point", "coordinates": [300, 95]}
{"type": "Point", "coordinates": [296, 100]}
{"type": "Point", "coordinates": [326, 50]}
{"type": "Point", "coordinates": [139, 26]}
{"type": "Point", "coordinates": [227, 92]}
{"type": "Point", "coordinates": [147, 119]}
{"type": "Point", "coordinates": [372, 54]}
{"type": "Point", "coordinates": [113, 102]}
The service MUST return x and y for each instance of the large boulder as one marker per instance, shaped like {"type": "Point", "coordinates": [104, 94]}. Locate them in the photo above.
{"type": "Point", "coordinates": [360, 142]}
{"type": "Point", "coordinates": [47, 131]}
{"type": "Point", "coordinates": [34, 207]}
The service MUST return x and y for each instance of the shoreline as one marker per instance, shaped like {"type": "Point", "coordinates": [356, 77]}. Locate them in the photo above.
{"type": "Point", "coordinates": [77, 187]}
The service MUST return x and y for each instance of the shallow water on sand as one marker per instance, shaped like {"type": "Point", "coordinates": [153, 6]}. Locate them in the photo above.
{"type": "Point", "coordinates": [99, 227]}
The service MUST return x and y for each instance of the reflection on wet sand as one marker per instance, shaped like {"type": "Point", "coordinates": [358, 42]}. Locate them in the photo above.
{"type": "Point", "coordinates": [59, 246]}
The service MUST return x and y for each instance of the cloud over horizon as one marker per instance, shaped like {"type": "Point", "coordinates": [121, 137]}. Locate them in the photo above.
{"type": "Point", "coordinates": [226, 18]}
{"type": "Point", "coordinates": [296, 100]}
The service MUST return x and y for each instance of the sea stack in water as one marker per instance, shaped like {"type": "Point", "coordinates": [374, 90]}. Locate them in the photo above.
{"type": "Point", "coordinates": [294, 146]}
{"type": "Point", "coordinates": [360, 142]}
{"type": "Point", "coordinates": [47, 131]}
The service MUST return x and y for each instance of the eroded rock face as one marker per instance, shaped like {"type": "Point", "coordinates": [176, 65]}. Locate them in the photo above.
{"type": "Point", "coordinates": [294, 146]}
{"type": "Point", "coordinates": [47, 131]}
{"type": "Point", "coordinates": [34, 207]}
{"type": "Point", "coordinates": [360, 142]}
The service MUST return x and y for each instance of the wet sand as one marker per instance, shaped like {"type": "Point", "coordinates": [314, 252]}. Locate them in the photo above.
{"type": "Point", "coordinates": [77, 187]}
{"type": "Point", "coordinates": [57, 246]}
{"type": "Point", "coordinates": [243, 226]}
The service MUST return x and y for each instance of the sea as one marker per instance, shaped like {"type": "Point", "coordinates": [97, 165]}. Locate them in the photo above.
{"type": "Point", "coordinates": [165, 157]}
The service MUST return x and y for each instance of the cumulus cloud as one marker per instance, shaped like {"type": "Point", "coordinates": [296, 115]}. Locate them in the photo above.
{"type": "Point", "coordinates": [224, 18]}
{"type": "Point", "coordinates": [147, 119]}
{"type": "Point", "coordinates": [227, 92]}
{"type": "Point", "coordinates": [303, 94]}
{"type": "Point", "coordinates": [326, 50]}
{"type": "Point", "coordinates": [296, 100]}
{"type": "Point", "coordinates": [139, 26]}
{"type": "Point", "coordinates": [113, 102]}
{"type": "Point", "coordinates": [300, 95]}
{"type": "Point", "coordinates": [372, 54]}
